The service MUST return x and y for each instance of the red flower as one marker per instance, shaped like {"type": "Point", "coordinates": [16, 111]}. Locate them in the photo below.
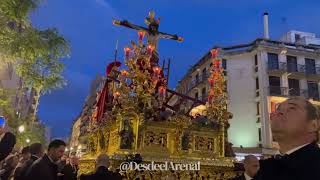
{"type": "Point", "coordinates": [124, 73]}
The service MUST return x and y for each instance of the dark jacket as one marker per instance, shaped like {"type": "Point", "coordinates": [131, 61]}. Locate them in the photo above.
{"type": "Point", "coordinates": [43, 169]}
{"type": "Point", "coordinates": [6, 145]}
{"type": "Point", "coordinates": [70, 172]}
{"type": "Point", "coordinates": [22, 172]}
{"type": "Point", "coordinates": [7, 174]}
{"type": "Point", "coordinates": [303, 164]}
{"type": "Point", "coordinates": [102, 173]}
{"type": "Point", "coordinates": [239, 178]}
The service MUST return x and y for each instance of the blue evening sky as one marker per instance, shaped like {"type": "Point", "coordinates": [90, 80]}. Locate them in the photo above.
{"type": "Point", "coordinates": [203, 24]}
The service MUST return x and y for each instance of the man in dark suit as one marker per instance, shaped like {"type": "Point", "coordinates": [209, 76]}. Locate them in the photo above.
{"type": "Point", "coordinates": [46, 168]}
{"type": "Point", "coordinates": [70, 170]}
{"type": "Point", "coordinates": [102, 171]}
{"type": "Point", "coordinates": [7, 140]}
{"type": "Point", "coordinates": [251, 167]}
{"type": "Point", "coordinates": [37, 151]}
{"type": "Point", "coordinates": [295, 126]}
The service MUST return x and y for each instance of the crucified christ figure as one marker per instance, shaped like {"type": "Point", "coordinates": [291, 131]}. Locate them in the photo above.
{"type": "Point", "coordinates": [153, 35]}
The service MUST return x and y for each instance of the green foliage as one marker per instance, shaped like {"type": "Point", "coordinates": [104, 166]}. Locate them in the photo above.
{"type": "Point", "coordinates": [37, 57]}
{"type": "Point", "coordinates": [6, 107]}
{"type": "Point", "coordinates": [35, 133]}
{"type": "Point", "coordinates": [37, 53]}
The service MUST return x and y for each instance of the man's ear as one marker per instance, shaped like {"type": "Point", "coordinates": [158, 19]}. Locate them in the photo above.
{"type": "Point", "coordinates": [314, 126]}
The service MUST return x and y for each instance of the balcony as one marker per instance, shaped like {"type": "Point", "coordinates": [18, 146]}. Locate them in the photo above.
{"type": "Point", "coordinates": [293, 68]}
{"type": "Point", "coordinates": [289, 92]}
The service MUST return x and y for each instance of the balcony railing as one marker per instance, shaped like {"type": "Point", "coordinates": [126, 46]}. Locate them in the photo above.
{"type": "Point", "coordinates": [288, 92]}
{"type": "Point", "coordinates": [292, 67]}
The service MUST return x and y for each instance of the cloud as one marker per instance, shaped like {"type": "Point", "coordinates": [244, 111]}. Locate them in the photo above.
{"type": "Point", "coordinates": [109, 9]}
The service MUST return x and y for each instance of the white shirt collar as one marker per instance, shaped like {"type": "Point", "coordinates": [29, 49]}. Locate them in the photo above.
{"type": "Point", "coordinates": [294, 149]}
{"type": "Point", "coordinates": [247, 176]}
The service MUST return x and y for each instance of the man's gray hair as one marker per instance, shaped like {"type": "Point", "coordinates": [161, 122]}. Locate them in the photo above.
{"type": "Point", "coordinates": [102, 160]}
{"type": "Point", "coordinates": [248, 157]}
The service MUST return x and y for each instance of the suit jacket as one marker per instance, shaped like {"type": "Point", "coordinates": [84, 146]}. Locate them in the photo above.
{"type": "Point", "coordinates": [43, 169]}
{"type": "Point", "coordinates": [6, 145]}
{"type": "Point", "coordinates": [70, 173]}
{"type": "Point", "coordinates": [22, 173]}
{"type": "Point", "coordinates": [302, 164]}
{"type": "Point", "coordinates": [102, 173]}
{"type": "Point", "coordinates": [239, 178]}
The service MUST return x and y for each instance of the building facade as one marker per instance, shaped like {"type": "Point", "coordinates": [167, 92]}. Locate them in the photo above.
{"type": "Point", "coordinates": [22, 98]}
{"type": "Point", "coordinates": [81, 123]}
{"type": "Point", "coordinates": [260, 75]}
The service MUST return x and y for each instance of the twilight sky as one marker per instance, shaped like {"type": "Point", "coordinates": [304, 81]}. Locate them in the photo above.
{"type": "Point", "coordinates": [87, 25]}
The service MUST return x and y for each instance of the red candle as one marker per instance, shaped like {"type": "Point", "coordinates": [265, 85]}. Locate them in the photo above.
{"type": "Point", "coordinates": [127, 51]}
{"type": "Point", "coordinates": [214, 53]}
{"type": "Point", "coordinates": [141, 35]}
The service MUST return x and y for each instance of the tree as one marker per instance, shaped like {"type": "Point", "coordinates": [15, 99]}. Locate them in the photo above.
{"type": "Point", "coordinates": [36, 53]}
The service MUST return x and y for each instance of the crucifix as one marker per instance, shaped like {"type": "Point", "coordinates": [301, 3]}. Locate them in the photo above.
{"type": "Point", "coordinates": [153, 35]}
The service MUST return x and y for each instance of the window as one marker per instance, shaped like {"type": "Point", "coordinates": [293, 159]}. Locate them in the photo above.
{"type": "Point", "coordinates": [204, 74]}
{"type": "Point", "coordinates": [313, 90]}
{"type": "Point", "coordinates": [257, 87]}
{"type": "Point", "coordinates": [224, 66]}
{"type": "Point", "coordinates": [204, 94]}
{"type": "Point", "coordinates": [274, 83]}
{"type": "Point", "coordinates": [256, 63]}
{"type": "Point", "coordinates": [196, 95]}
{"type": "Point", "coordinates": [197, 78]}
{"type": "Point", "coordinates": [256, 60]}
{"type": "Point", "coordinates": [260, 137]}
{"type": "Point", "coordinates": [297, 37]}
{"type": "Point", "coordinates": [292, 64]}
{"type": "Point", "coordinates": [310, 66]}
{"type": "Point", "coordinates": [273, 61]}
{"type": "Point", "coordinates": [294, 87]}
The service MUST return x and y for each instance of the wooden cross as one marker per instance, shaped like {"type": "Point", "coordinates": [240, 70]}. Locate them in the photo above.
{"type": "Point", "coordinates": [153, 35]}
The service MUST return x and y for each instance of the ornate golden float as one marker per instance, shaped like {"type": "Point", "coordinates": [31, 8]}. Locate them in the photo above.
{"type": "Point", "coordinates": [137, 118]}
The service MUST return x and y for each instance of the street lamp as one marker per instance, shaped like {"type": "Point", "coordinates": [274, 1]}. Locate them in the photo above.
{"type": "Point", "coordinates": [28, 140]}
{"type": "Point", "coordinates": [21, 129]}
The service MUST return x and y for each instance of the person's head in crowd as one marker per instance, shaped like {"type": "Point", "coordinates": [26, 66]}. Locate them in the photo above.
{"type": "Point", "coordinates": [2, 125]}
{"type": "Point", "coordinates": [11, 161]}
{"type": "Point", "coordinates": [56, 149]}
{"type": "Point", "coordinates": [37, 150]}
{"type": "Point", "coordinates": [251, 165]}
{"type": "Point", "coordinates": [74, 160]}
{"type": "Point", "coordinates": [294, 123]}
{"type": "Point", "coordinates": [25, 153]}
{"type": "Point", "coordinates": [102, 161]}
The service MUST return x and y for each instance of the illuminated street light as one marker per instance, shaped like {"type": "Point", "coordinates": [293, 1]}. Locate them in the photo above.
{"type": "Point", "coordinates": [21, 128]}
{"type": "Point", "coordinates": [28, 140]}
